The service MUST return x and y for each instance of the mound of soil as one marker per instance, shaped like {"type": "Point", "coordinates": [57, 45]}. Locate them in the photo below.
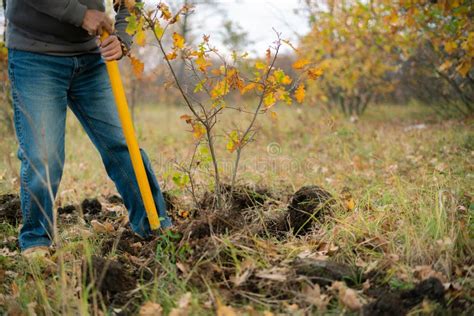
{"type": "Point", "coordinates": [109, 276]}
{"type": "Point", "coordinates": [399, 303]}
{"type": "Point", "coordinates": [10, 209]}
{"type": "Point", "coordinates": [240, 198]}
{"type": "Point", "coordinates": [307, 204]}
{"type": "Point", "coordinates": [67, 209]}
{"type": "Point", "coordinates": [236, 215]}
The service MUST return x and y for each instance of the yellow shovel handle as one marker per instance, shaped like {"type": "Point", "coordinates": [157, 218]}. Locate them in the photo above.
{"type": "Point", "coordinates": [132, 143]}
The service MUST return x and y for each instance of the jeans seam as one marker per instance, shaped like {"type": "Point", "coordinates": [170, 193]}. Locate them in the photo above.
{"type": "Point", "coordinates": [19, 126]}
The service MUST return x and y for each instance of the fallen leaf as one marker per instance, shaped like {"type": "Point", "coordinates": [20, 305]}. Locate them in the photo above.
{"type": "Point", "coordinates": [274, 274]}
{"type": "Point", "coordinates": [224, 310]}
{"type": "Point", "coordinates": [350, 299]}
{"type": "Point", "coordinates": [99, 228]}
{"type": "Point", "coordinates": [183, 306]}
{"type": "Point", "coordinates": [312, 295]}
{"type": "Point", "coordinates": [151, 309]}
{"type": "Point", "coordinates": [347, 296]}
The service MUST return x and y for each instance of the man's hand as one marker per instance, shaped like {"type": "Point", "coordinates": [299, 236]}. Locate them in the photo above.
{"type": "Point", "coordinates": [111, 49]}
{"type": "Point", "coordinates": [96, 21]}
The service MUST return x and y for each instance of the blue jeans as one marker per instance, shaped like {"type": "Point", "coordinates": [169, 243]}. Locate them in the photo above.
{"type": "Point", "coordinates": [42, 88]}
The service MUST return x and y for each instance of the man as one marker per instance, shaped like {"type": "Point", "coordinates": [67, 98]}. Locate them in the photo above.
{"type": "Point", "coordinates": [56, 60]}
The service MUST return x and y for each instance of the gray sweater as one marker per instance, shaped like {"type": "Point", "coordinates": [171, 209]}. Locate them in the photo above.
{"type": "Point", "coordinates": [54, 26]}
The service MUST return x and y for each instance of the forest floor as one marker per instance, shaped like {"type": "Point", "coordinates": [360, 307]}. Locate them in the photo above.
{"type": "Point", "coordinates": [392, 235]}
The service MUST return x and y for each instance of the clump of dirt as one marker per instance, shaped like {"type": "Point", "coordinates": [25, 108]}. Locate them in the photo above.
{"type": "Point", "coordinates": [431, 288]}
{"type": "Point", "coordinates": [91, 206]}
{"type": "Point", "coordinates": [10, 209]}
{"type": "Point", "coordinates": [308, 203]}
{"type": "Point", "coordinates": [67, 209]}
{"type": "Point", "coordinates": [114, 199]}
{"type": "Point", "coordinates": [275, 225]}
{"type": "Point", "coordinates": [171, 200]}
{"type": "Point", "coordinates": [109, 276]}
{"type": "Point", "coordinates": [324, 272]}
{"type": "Point", "coordinates": [399, 303]}
{"type": "Point", "coordinates": [388, 304]}
{"type": "Point", "coordinates": [125, 241]}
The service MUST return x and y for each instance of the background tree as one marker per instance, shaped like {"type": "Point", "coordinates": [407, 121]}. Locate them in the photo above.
{"type": "Point", "coordinates": [358, 51]}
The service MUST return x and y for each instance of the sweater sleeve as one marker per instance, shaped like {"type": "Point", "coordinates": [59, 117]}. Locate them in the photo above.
{"type": "Point", "coordinates": [68, 11]}
{"type": "Point", "coordinates": [121, 23]}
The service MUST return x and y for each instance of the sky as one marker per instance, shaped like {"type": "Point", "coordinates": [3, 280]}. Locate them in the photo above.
{"type": "Point", "coordinates": [258, 17]}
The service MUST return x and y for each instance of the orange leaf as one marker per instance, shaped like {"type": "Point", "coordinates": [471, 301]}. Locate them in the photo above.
{"type": "Point", "coordinates": [300, 64]}
{"type": "Point", "coordinates": [186, 118]}
{"type": "Point", "coordinates": [172, 55]}
{"type": "Point", "coordinates": [137, 67]}
{"type": "Point", "coordinates": [269, 56]}
{"type": "Point", "coordinates": [315, 73]}
{"type": "Point", "coordinates": [248, 88]}
{"type": "Point", "coordinates": [300, 93]}
{"type": "Point", "coordinates": [165, 11]}
{"type": "Point", "coordinates": [130, 4]}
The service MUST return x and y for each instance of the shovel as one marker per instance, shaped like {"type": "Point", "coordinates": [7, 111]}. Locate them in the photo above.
{"type": "Point", "coordinates": [131, 139]}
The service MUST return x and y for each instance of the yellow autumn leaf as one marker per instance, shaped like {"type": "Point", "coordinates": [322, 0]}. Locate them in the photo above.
{"type": "Point", "coordinates": [260, 65]}
{"type": "Point", "coordinates": [301, 63]}
{"type": "Point", "coordinates": [203, 63]}
{"type": "Point", "coordinates": [233, 141]}
{"type": "Point", "coordinates": [450, 47]}
{"type": "Point", "coordinates": [178, 41]}
{"type": "Point", "coordinates": [140, 38]}
{"type": "Point", "coordinates": [300, 93]}
{"type": "Point", "coordinates": [198, 130]}
{"type": "Point", "coordinates": [350, 204]}
{"type": "Point", "coordinates": [464, 68]}
{"type": "Point", "coordinates": [158, 30]}
{"type": "Point", "coordinates": [269, 100]}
